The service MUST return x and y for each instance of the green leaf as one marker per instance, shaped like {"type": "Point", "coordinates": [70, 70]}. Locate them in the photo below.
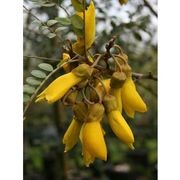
{"type": "Point", "coordinates": [28, 89]}
{"type": "Point", "coordinates": [78, 32]}
{"type": "Point", "coordinates": [46, 67]}
{"type": "Point", "coordinates": [58, 29]}
{"type": "Point", "coordinates": [77, 21]}
{"type": "Point", "coordinates": [32, 81]}
{"type": "Point", "coordinates": [36, 22]}
{"type": "Point", "coordinates": [38, 74]}
{"type": "Point", "coordinates": [48, 4]}
{"type": "Point", "coordinates": [26, 98]}
{"type": "Point", "coordinates": [51, 35]}
{"type": "Point", "coordinates": [63, 21]}
{"type": "Point", "coordinates": [42, 28]}
{"type": "Point", "coordinates": [51, 22]}
{"type": "Point", "coordinates": [77, 5]}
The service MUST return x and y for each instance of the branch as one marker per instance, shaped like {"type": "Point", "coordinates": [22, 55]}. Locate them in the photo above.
{"type": "Point", "coordinates": [41, 85]}
{"type": "Point", "coordinates": [44, 24]}
{"type": "Point", "coordinates": [138, 76]}
{"type": "Point", "coordinates": [146, 3]}
{"type": "Point", "coordinates": [43, 58]}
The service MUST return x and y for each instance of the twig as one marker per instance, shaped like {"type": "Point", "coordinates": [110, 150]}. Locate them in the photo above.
{"type": "Point", "coordinates": [44, 24]}
{"type": "Point", "coordinates": [37, 90]}
{"type": "Point", "coordinates": [43, 58]}
{"type": "Point", "coordinates": [150, 8]}
{"type": "Point", "coordinates": [85, 98]}
{"type": "Point", "coordinates": [84, 26]}
{"type": "Point", "coordinates": [146, 88]}
{"type": "Point", "coordinates": [58, 5]}
{"type": "Point", "coordinates": [144, 76]}
{"type": "Point", "coordinates": [41, 85]}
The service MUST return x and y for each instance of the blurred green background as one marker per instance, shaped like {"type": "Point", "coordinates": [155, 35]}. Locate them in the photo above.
{"type": "Point", "coordinates": [135, 26]}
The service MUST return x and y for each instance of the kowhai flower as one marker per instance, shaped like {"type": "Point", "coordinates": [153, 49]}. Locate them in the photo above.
{"type": "Point", "coordinates": [58, 88]}
{"type": "Point", "coordinates": [131, 99]}
{"type": "Point", "coordinates": [116, 121]}
{"type": "Point", "coordinates": [90, 29]}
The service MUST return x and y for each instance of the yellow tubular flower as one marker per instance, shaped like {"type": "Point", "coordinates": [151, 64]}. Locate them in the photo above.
{"type": "Point", "coordinates": [58, 88]}
{"type": "Point", "coordinates": [120, 128]}
{"type": "Point", "coordinates": [131, 100]}
{"type": "Point", "coordinates": [117, 122]}
{"type": "Point", "coordinates": [93, 140]}
{"type": "Point", "coordinates": [116, 92]}
{"type": "Point", "coordinates": [72, 134]}
{"type": "Point", "coordinates": [87, 157]}
{"type": "Point", "coordinates": [90, 28]}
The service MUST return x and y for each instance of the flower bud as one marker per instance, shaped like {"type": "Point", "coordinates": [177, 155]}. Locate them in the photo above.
{"type": "Point", "coordinates": [117, 79]}
{"type": "Point", "coordinates": [83, 70]}
{"type": "Point", "coordinates": [96, 112]}
{"type": "Point", "coordinates": [80, 111]}
{"type": "Point", "coordinates": [127, 69]}
{"type": "Point", "coordinates": [71, 99]}
{"type": "Point", "coordinates": [110, 103]}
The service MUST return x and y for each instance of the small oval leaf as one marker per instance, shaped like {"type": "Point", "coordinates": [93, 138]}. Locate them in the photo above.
{"type": "Point", "coordinates": [51, 35]}
{"type": "Point", "coordinates": [63, 21]}
{"type": "Point", "coordinates": [51, 22]}
{"type": "Point", "coordinates": [33, 81]}
{"type": "Point", "coordinates": [48, 4]}
{"type": "Point", "coordinates": [77, 21]}
{"type": "Point", "coordinates": [28, 89]}
{"type": "Point", "coordinates": [38, 74]}
{"type": "Point", "coordinates": [42, 28]}
{"type": "Point", "coordinates": [46, 67]}
{"type": "Point", "coordinates": [26, 98]}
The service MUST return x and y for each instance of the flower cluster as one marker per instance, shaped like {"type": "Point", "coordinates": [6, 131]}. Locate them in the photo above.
{"type": "Point", "coordinates": [95, 91]}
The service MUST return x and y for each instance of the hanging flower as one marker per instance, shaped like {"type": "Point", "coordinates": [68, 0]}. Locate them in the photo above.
{"type": "Point", "coordinates": [131, 99]}
{"type": "Point", "coordinates": [116, 121]}
{"type": "Point", "coordinates": [58, 88]}
{"type": "Point", "coordinates": [72, 134]}
{"type": "Point", "coordinates": [90, 29]}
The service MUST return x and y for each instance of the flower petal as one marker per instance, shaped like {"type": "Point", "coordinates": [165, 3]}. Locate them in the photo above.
{"type": "Point", "coordinates": [58, 88]}
{"type": "Point", "coordinates": [90, 28]}
{"type": "Point", "coordinates": [130, 97]}
{"type": "Point", "coordinates": [120, 127]}
{"type": "Point", "coordinates": [93, 140]}
{"type": "Point", "coordinates": [72, 134]}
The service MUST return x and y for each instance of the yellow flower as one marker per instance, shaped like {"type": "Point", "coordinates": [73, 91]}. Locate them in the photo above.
{"type": "Point", "coordinates": [87, 157]}
{"type": "Point", "coordinates": [72, 134]}
{"type": "Point", "coordinates": [90, 28]}
{"type": "Point", "coordinates": [93, 140]}
{"type": "Point", "coordinates": [116, 92]}
{"type": "Point", "coordinates": [58, 88]}
{"type": "Point", "coordinates": [120, 128]}
{"type": "Point", "coordinates": [117, 123]}
{"type": "Point", "coordinates": [92, 135]}
{"type": "Point", "coordinates": [131, 100]}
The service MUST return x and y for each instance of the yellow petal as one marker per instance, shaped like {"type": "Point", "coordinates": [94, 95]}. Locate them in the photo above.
{"type": "Point", "coordinates": [72, 134]}
{"type": "Point", "coordinates": [129, 111]}
{"type": "Point", "coordinates": [90, 28]}
{"type": "Point", "coordinates": [87, 157]}
{"type": "Point", "coordinates": [58, 88]}
{"type": "Point", "coordinates": [120, 127]}
{"type": "Point", "coordinates": [93, 140]}
{"type": "Point", "coordinates": [116, 92]}
{"type": "Point", "coordinates": [130, 97]}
